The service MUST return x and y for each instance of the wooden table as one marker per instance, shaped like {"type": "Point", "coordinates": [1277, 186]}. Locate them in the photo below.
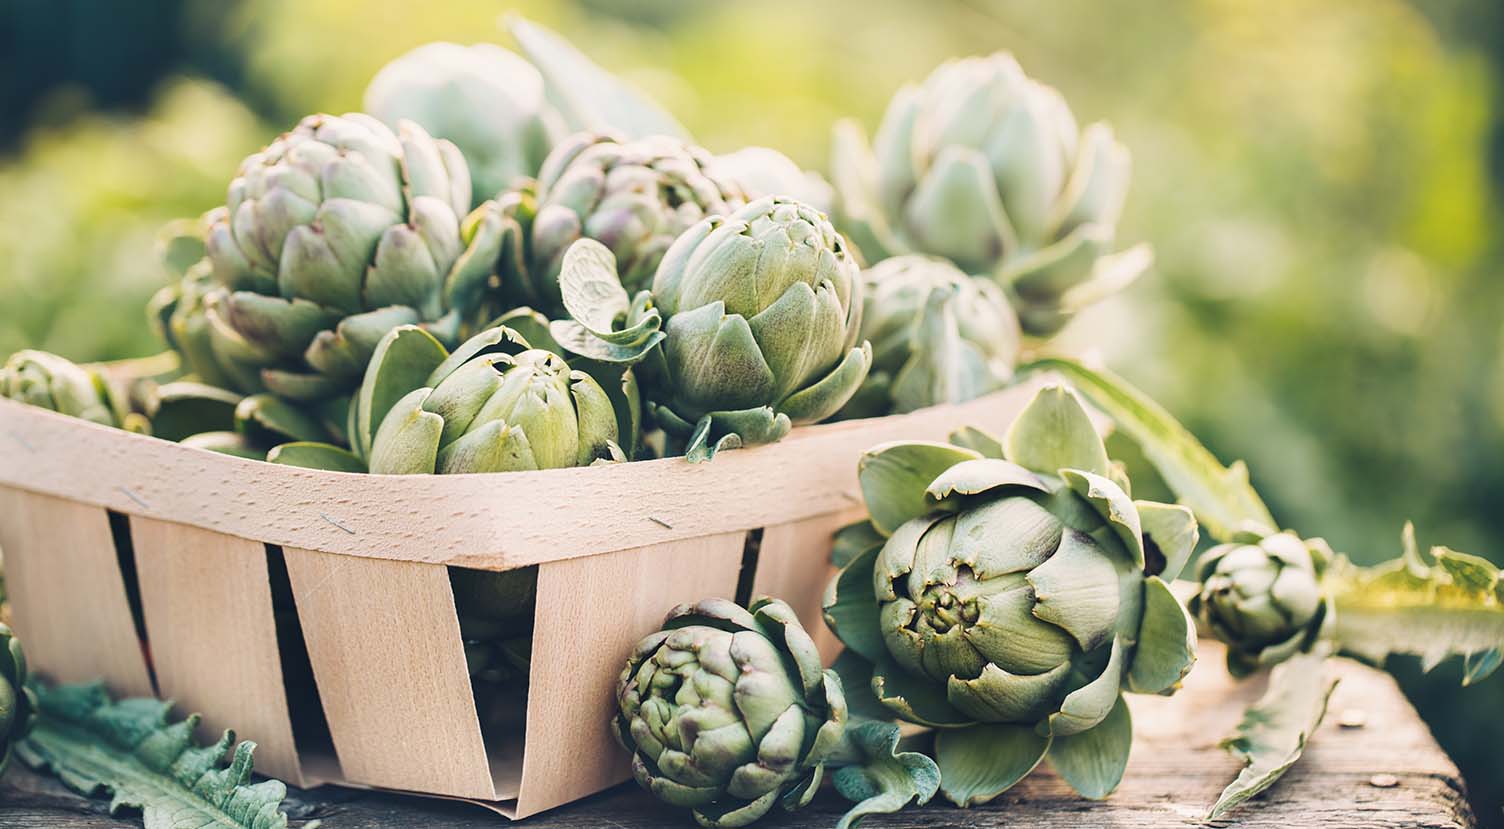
{"type": "Point", "coordinates": [1387, 773]}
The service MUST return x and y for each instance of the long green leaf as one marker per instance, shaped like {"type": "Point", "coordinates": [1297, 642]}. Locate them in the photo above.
{"type": "Point", "coordinates": [1454, 606]}
{"type": "Point", "coordinates": [130, 750]}
{"type": "Point", "coordinates": [1274, 730]}
{"type": "Point", "coordinates": [1221, 496]}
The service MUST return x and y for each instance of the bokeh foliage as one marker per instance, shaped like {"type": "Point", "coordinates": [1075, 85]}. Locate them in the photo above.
{"type": "Point", "coordinates": [1315, 177]}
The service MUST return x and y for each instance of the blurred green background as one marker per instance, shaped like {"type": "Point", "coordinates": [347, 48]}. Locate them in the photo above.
{"type": "Point", "coordinates": [1320, 178]}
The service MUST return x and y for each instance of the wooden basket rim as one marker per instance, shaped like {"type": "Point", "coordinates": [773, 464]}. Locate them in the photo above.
{"type": "Point", "coordinates": [488, 521]}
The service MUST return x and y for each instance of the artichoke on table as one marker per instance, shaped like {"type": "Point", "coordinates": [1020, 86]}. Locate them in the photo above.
{"type": "Point", "coordinates": [1014, 599]}
{"type": "Point", "coordinates": [1263, 597]}
{"type": "Point", "coordinates": [986, 167]}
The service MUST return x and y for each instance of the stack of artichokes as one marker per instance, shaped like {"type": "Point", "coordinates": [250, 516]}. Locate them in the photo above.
{"type": "Point", "coordinates": [521, 263]}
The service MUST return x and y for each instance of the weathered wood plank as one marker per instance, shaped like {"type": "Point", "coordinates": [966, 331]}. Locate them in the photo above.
{"type": "Point", "coordinates": [1175, 774]}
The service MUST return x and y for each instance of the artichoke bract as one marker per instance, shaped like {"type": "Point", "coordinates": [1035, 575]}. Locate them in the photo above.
{"type": "Point", "coordinates": [635, 197]}
{"type": "Point", "coordinates": [1014, 600]}
{"type": "Point", "coordinates": [938, 336]}
{"type": "Point", "coordinates": [335, 234]}
{"type": "Point", "coordinates": [1262, 597]}
{"type": "Point", "coordinates": [986, 167]}
{"type": "Point", "coordinates": [486, 100]}
{"type": "Point", "coordinates": [752, 325]}
{"type": "Point", "coordinates": [727, 711]}
{"type": "Point", "coordinates": [17, 703]}
{"type": "Point", "coordinates": [51, 382]}
{"type": "Point", "coordinates": [493, 405]}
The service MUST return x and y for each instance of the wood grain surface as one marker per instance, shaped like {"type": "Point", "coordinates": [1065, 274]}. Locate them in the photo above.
{"type": "Point", "coordinates": [494, 522]}
{"type": "Point", "coordinates": [1175, 773]}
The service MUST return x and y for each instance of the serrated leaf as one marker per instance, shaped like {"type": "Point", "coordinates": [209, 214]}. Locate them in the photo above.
{"type": "Point", "coordinates": [587, 96]}
{"type": "Point", "coordinates": [1433, 611]}
{"type": "Point", "coordinates": [884, 779]}
{"type": "Point", "coordinates": [1223, 500]}
{"type": "Point", "coordinates": [130, 750]}
{"type": "Point", "coordinates": [1275, 729]}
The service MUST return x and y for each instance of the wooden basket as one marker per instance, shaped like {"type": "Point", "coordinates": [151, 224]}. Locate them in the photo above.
{"type": "Point", "coordinates": [152, 565]}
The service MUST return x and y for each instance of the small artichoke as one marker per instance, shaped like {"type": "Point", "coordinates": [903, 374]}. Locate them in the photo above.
{"type": "Point", "coordinates": [938, 336]}
{"type": "Point", "coordinates": [634, 197]}
{"type": "Point", "coordinates": [42, 379]}
{"type": "Point", "coordinates": [1016, 598]}
{"type": "Point", "coordinates": [1263, 598]}
{"type": "Point", "coordinates": [17, 704]}
{"type": "Point", "coordinates": [727, 711]}
{"type": "Point", "coordinates": [335, 234]}
{"type": "Point", "coordinates": [486, 100]}
{"type": "Point", "coordinates": [986, 167]}
{"type": "Point", "coordinates": [493, 405]}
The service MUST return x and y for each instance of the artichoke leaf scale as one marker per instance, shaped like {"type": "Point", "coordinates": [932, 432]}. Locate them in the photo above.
{"type": "Point", "coordinates": [1078, 590]}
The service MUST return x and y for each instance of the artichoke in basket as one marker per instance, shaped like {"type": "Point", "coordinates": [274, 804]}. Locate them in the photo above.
{"type": "Point", "coordinates": [1014, 599]}
{"type": "Point", "coordinates": [727, 711]}
{"type": "Point", "coordinates": [486, 100]}
{"type": "Point", "coordinates": [51, 382]}
{"type": "Point", "coordinates": [752, 325]}
{"type": "Point", "coordinates": [938, 336]}
{"type": "Point", "coordinates": [986, 167]}
{"type": "Point", "coordinates": [335, 234]}
{"type": "Point", "coordinates": [493, 405]}
{"type": "Point", "coordinates": [1263, 597]}
{"type": "Point", "coordinates": [634, 197]}
{"type": "Point", "coordinates": [17, 703]}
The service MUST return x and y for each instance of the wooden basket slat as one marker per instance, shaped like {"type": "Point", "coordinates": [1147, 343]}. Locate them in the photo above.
{"type": "Point", "coordinates": [384, 642]}
{"type": "Point", "coordinates": [207, 601]}
{"type": "Point", "coordinates": [794, 565]}
{"type": "Point", "coordinates": [468, 520]}
{"type": "Point", "coordinates": [67, 595]}
{"type": "Point", "coordinates": [617, 598]}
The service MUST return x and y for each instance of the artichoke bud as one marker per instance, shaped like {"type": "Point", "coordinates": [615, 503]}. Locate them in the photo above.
{"type": "Point", "coordinates": [938, 336]}
{"type": "Point", "coordinates": [985, 167]}
{"type": "Point", "coordinates": [762, 315]}
{"type": "Point", "coordinates": [635, 197]}
{"type": "Point", "coordinates": [727, 711]}
{"type": "Point", "coordinates": [337, 232]}
{"type": "Point", "coordinates": [42, 379]}
{"type": "Point", "coordinates": [1263, 598]}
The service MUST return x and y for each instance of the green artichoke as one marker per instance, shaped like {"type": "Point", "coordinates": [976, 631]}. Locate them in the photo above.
{"type": "Point", "coordinates": [938, 336]}
{"type": "Point", "coordinates": [42, 379]}
{"type": "Point", "coordinates": [17, 704]}
{"type": "Point", "coordinates": [335, 234]}
{"type": "Point", "coordinates": [1263, 598]}
{"type": "Point", "coordinates": [493, 405]}
{"type": "Point", "coordinates": [986, 167]}
{"type": "Point", "coordinates": [486, 100]}
{"type": "Point", "coordinates": [634, 197]}
{"type": "Point", "coordinates": [1015, 599]}
{"type": "Point", "coordinates": [727, 711]}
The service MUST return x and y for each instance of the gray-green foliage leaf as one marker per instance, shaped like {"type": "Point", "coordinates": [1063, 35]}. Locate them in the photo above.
{"type": "Point", "coordinates": [1274, 730]}
{"type": "Point", "coordinates": [1221, 496]}
{"type": "Point", "coordinates": [884, 779]}
{"type": "Point", "coordinates": [1432, 610]}
{"type": "Point", "coordinates": [130, 750]}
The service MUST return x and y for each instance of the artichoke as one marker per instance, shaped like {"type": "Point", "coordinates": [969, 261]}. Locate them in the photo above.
{"type": "Point", "coordinates": [760, 317]}
{"type": "Point", "coordinates": [938, 336]}
{"type": "Point", "coordinates": [1015, 598]}
{"type": "Point", "coordinates": [17, 704]}
{"type": "Point", "coordinates": [634, 197]}
{"type": "Point", "coordinates": [1263, 598]}
{"type": "Point", "coordinates": [493, 405]}
{"type": "Point", "coordinates": [335, 234]}
{"type": "Point", "coordinates": [986, 167]}
{"type": "Point", "coordinates": [42, 379]}
{"type": "Point", "coordinates": [727, 711]}
{"type": "Point", "coordinates": [486, 100]}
